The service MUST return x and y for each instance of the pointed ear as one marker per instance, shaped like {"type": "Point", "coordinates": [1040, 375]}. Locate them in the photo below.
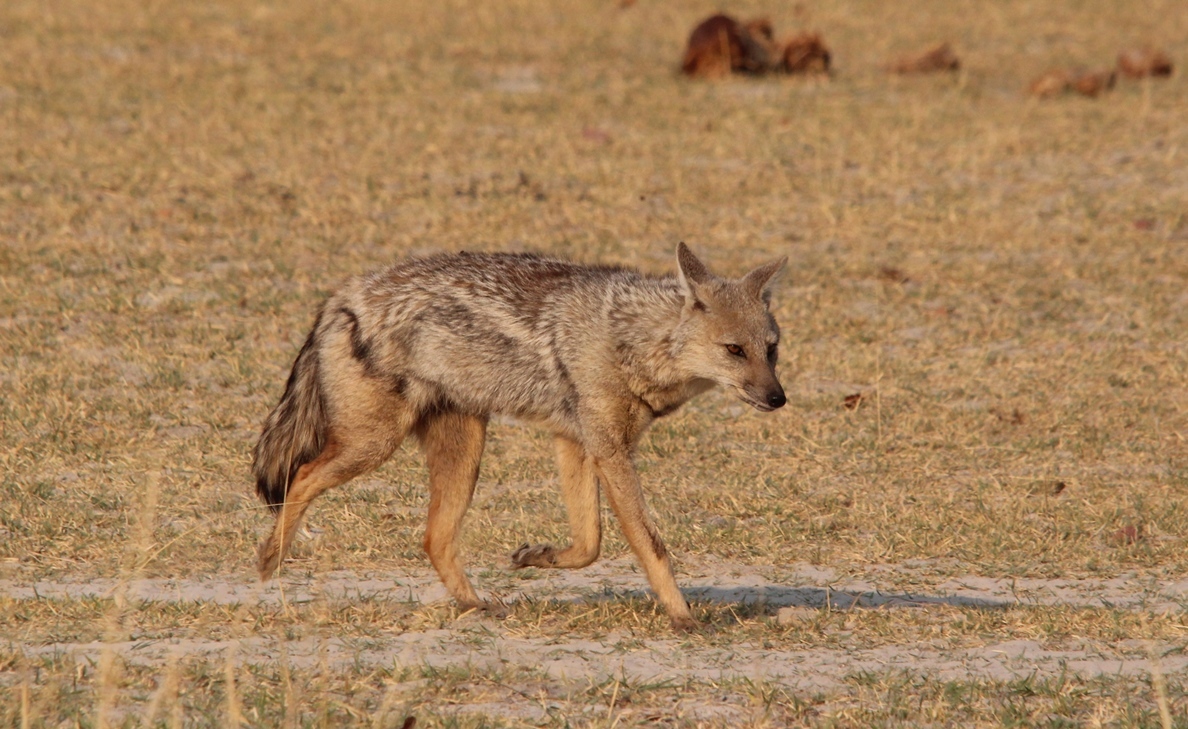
{"type": "Point", "coordinates": [758, 282]}
{"type": "Point", "coordinates": [692, 273]}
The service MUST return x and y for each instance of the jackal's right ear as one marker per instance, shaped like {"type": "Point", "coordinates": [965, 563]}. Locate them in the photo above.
{"type": "Point", "coordinates": [693, 275]}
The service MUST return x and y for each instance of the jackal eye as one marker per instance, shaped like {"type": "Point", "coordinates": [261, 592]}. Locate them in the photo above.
{"type": "Point", "coordinates": [736, 350]}
{"type": "Point", "coordinates": [771, 351]}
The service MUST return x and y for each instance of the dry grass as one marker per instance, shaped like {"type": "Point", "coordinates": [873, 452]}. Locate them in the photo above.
{"type": "Point", "coordinates": [1002, 280]}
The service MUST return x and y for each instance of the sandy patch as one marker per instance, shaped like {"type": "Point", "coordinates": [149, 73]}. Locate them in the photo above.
{"type": "Point", "coordinates": [480, 642]}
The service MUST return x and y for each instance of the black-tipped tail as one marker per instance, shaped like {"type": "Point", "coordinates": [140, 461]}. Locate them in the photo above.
{"type": "Point", "coordinates": [295, 432]}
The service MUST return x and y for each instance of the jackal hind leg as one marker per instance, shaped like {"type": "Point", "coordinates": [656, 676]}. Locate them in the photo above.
{"type": "Point", "coordinates": [627, 501]}
{"type": "Point", "coordinates": [337, 464]}
{"type": "Point", "coordinates": [360, 440]}
{"type": "Point", "coordinates": [579, 486]}
{"type": "Point", "coordinates": [453, 445]}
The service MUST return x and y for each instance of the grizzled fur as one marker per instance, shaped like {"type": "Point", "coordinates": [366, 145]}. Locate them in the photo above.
{"type": "Point", "coordinates": [433, 346]}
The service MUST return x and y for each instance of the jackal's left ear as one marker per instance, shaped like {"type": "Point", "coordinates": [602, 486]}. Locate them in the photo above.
{"type": "Point", "coordinates": [758, 282]}
{"type": "Point", "coordinates": [693, 274]}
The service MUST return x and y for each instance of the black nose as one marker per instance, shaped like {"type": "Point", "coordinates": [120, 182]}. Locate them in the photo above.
{"type": "Point", "coordinates": [776, 399]}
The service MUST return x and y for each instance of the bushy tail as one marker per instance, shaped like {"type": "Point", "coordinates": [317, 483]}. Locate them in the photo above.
{"type": "Point", "coordinates": [295, 432]}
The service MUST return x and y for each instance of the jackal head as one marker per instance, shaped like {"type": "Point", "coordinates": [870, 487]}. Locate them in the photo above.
{"type": "Point", "coordinates": [729, 334]}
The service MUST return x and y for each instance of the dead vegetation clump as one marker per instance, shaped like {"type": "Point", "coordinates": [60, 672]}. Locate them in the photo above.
{"type": "Point", "coordinates": [1050, 83]}
{"type": "Point", "coordinates": [805, 53]}
{"type": "Point", "coordinates": [1144, 62]}
{"type": "Point", "coordinates": [1084, 82]}
{"type": "Point", "coordinates": [940, 57]}
{"type": "Point", "coordinates": [1092, 83]}
{"type": "Point", "coordinates": [1132, 63]}
{"type": "Point", "coordinates": [721, 45]}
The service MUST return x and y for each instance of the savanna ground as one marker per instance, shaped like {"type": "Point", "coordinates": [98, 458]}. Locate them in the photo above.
{"type": "Point", "coordinates": [991, 534]}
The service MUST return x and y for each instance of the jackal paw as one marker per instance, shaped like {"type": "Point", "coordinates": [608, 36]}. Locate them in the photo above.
{"type": "Point", "coordinates": [490, 609]}
{"type": "Point", "coordinates": [688, 624]}
{"type": "Point", "coordinates": [534, 555]}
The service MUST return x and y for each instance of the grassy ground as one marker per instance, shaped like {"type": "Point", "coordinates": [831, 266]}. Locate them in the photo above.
{"type": "Point", "coordinates": [1002, 280]}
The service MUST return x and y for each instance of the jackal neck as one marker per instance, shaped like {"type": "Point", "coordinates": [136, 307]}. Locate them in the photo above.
{"type": "Point", "coordinates": [649, 338]}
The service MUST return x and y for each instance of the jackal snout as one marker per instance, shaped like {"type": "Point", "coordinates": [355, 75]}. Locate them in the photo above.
{"type": "Point", "coordinates": [772, 398]}
{"type": "Point", "coordinates": [762, 389]}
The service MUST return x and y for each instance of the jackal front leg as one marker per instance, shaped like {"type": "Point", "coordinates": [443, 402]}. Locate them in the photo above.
{"type": "Point", "coordinates": [579, 485]}
{"type": "Point", "coordinates": [626, 499]}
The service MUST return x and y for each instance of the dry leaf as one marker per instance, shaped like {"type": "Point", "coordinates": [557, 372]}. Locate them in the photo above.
{"type": "Point", "coordinates": [937, 58]}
